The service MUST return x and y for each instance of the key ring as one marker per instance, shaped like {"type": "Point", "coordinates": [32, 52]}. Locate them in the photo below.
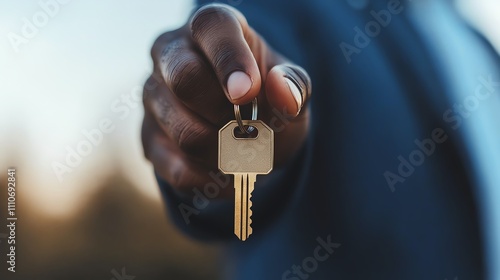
{"type": "Point", "coordinates": [237, 114]}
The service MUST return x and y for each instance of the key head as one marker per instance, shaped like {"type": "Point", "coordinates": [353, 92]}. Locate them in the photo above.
{"type": "Point", "coordinates": [246, 155]}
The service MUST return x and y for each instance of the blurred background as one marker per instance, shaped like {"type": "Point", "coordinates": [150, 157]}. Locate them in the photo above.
{"type": "Point", "coordinates": [70, 69]}
{"type": "Point", "coordinates": [85, 63]}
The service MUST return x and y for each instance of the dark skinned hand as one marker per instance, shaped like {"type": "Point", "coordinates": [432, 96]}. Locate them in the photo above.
{"type": "Point", "coordinates": [201, 70]}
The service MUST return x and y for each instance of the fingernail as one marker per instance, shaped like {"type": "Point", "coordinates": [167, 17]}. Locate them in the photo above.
{"type": "Point", "coordinates": [238, 84]}
{"type": "Point", "coordinates": [294, 90]}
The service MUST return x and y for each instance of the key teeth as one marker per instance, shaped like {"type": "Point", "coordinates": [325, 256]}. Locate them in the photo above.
{"type": "Point", "coordinates": [250, 230]}
{"type": "Point", "coordinates": [250, 204]}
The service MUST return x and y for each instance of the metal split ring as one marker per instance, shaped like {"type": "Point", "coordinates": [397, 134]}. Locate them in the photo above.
{"type": "Point", "coordinates": [237, 114]}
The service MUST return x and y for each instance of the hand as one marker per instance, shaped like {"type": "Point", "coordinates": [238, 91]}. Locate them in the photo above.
{"type": "Point", "coordinates": [201, 70]}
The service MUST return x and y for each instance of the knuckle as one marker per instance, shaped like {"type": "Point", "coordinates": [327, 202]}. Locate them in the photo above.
{"type": "Point", "coordinates": [148, 97]}
{"type": "Point", "coordinates": [163, 40]}
{"type": "Point", "coordinates": [208, 17]}
{"type": "Point", "coordinates": [180, 69]}
{"type": "Point", "coordinates": [183, 78]}
{"type": "Point", "coordinates": [151, 85]}
{"type": "Point", "coordinates": [164, 112]}
{"type": "Point", "coordinates": [190, 136]}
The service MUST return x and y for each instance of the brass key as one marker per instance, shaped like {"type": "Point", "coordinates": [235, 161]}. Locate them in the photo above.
{"type": "Point", "coordinates": [245, 157]}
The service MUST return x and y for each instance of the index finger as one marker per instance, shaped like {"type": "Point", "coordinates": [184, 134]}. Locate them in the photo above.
{"type": "Point", "coordinates": [220, 32]}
